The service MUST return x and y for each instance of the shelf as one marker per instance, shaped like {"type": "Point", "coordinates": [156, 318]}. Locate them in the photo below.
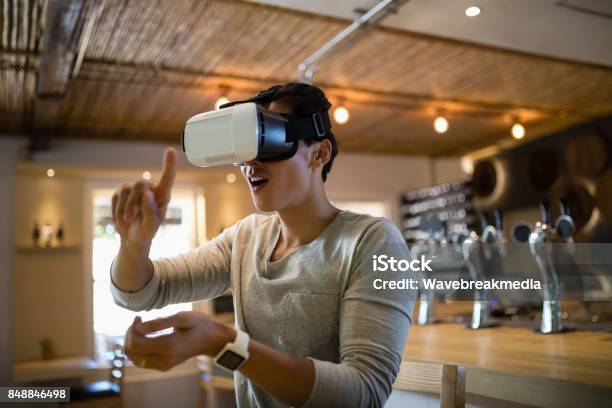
{"type": "Point", "coordinates": [51, 249]}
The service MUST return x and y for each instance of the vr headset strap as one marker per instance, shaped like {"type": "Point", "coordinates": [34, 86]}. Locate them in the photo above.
{"type": "Point", "coordinates": [316, 126]}
{"type": "Point", "coordinates": [260, 98]}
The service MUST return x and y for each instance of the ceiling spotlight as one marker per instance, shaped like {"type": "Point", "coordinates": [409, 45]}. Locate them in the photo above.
{"type": "Point", "coordinates": [440, 124]}
{"type": "Point", "coordinates": [341, 115]}
{"type": "Point", "coordinates": [230, 178]}
{"type": "Point", "coordinates": [221, 101]}
{"type": "Point", "coordinates": [146, 175]}
{"type": "Point", "coordinates": [467, 165]}
{"type": "Point", "coordinates": [518, 131]}
{"type": "Point", "coordinates": [472, 11]}
{"type": "Point", "coordinates": [50, 173]}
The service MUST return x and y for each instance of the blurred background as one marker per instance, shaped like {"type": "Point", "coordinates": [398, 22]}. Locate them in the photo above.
{"type": "Point", "coordinates": [461, 121]}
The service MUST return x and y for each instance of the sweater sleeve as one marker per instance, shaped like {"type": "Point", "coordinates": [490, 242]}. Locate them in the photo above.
{"type": "Point", "coordinates": [373, 327]}
{"type": "Point", "coordinates": [202, 273]}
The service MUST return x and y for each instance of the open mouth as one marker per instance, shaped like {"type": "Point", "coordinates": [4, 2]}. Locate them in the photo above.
{"type": "Point", "coordinates": [257, 183]}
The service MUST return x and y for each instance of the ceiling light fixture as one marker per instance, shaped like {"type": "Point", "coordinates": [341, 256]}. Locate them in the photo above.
{"type": "Point", "coordinates": [222, 100]}
{"type": "Point", "coordinates": [467, 165]}
{"type": "Point", "coordinates": [230, 178]}
{"type": "Point", "coordinates": [146, 175]}
{"type": "Point", "coordinates": [518, 131]}
{"type": "Point", "coordinates": [472, 11]}
{"type": "Point", "coordinates": [440, 124]}
{"type": "Point", "coordinates": [50, 173]}
{"type": "Point", "coordinates": [341, 115]}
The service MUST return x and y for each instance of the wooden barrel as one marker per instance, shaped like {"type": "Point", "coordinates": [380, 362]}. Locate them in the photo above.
{"type": "Point", "coordinates": [587, 154]}
{"type": "Point", "coordinates": [603, 195]}
{"type": "Point", "coordinates": [580, 200]}
{"type": "Point", "coordinates": [484, 178]}
{"type": "Point", "coordinates": [543, 169]}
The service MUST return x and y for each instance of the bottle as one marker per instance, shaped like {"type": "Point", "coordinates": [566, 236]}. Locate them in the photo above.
{"type": "Point", "coordinates": [36, 234]}
{"type": "Point", "coordinates": [47, 234]}
{"type": "Point", "coordinates": [59, 234]}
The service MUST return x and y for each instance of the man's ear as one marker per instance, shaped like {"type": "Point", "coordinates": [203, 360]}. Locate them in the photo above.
{"type": "Point", "coordinates": [322, 154]}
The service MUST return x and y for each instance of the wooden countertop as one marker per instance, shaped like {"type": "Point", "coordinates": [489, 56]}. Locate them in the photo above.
{"type": "Point", "coordinates": [519, 365]}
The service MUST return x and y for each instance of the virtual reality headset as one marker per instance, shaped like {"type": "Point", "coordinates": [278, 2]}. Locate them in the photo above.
{"type": "Point", "coordinates": [244, 130]}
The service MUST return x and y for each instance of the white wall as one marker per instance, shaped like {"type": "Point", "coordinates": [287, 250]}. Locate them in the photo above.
{"type": "Point", "coordinates": [48, 285]}
{"type": "Point", "coordinates": [446, 169]}
{"type": "Point", "coordinates": [106, 154]}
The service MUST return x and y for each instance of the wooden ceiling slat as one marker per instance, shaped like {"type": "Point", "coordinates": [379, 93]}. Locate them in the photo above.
{"type": "Point", "coordinates": [21, 27]}
{"type": "Point", "coordinates": [190, 56]}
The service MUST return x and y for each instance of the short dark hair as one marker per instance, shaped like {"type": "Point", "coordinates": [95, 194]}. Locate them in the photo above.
{"type": "Point", "coordinates": [304, 99]}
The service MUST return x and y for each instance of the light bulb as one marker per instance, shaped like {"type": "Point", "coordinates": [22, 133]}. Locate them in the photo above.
{"type": "Point", "coordinates": [472, 11]}
{"type": "Point", "coordinates": [441, 124]}
{"type": "Point", "coordinates": [341, 115]}
{"type": "Point", "coordinates": [230, 178]}
{"type": "Point", "coordinates": [146, 175]}
{"type": "Point", "coordinates": [467, 165]}
{"type": "Point", "coordinates": [221, 101]}
{"type": "Point", "coordinates": [50, 173]}
{"type": "Point", "coordinates": [518, 131]}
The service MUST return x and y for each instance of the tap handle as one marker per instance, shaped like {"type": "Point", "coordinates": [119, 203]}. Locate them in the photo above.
{"type": "Point", "coordinates": [499, 221]}
{"type": "Point", "coordinates": [545, 209]}
{"type": "Point", "coordinates": [484, 221]}
{"type": "Point", "coordinates": [565, 206]}
{"type": "Point", "coordinates": [564, 226]}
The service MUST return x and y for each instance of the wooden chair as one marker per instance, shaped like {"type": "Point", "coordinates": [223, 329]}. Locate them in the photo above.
{"type": "Point", "coordinates": [444, 379]}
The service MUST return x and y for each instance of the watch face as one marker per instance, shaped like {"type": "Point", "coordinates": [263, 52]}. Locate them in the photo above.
{"type": "Point", "coordinates": [230, 360]}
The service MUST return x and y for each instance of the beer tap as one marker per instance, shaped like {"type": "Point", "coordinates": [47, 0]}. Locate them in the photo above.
{"type": "Point", "coordinates": [565, 227]}
{"type": "Point", "coordinates": [540, 244]}
{"type": "Point", "coordinates": [479, 255]}
{"type": "Point", "coordinates": [429, 248]}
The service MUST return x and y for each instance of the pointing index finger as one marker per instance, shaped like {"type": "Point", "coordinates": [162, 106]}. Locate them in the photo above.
{"type": "Point", "coordinates": [164, 187]}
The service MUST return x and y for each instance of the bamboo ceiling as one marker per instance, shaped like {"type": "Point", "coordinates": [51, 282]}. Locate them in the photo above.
{"type": "Point", "coordinates": [150, 65]}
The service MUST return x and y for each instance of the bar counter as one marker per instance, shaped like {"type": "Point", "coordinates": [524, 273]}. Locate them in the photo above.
{"type": "Point", "coordinates": [515, 364]}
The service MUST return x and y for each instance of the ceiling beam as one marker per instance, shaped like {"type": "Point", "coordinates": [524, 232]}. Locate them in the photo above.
{"type": "Point", "coordinates": [66, 24]}
{"type": "Point", "coordinates": [131, 73]}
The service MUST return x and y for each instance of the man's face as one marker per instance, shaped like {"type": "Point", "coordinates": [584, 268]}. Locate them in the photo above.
{"type": "Point", "coordinates": [282, 184]}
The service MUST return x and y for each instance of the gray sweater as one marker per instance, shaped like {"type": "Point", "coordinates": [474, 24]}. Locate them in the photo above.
{"type": "Point", "coordinates": [317, 302]}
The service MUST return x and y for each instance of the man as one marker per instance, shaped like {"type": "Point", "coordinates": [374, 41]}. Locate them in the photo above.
{"type": "Point", "coordinates": [315, 331]}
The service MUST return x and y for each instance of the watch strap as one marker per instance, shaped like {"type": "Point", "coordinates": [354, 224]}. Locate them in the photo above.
{"type": "Point", "coordinates": [241, 343]}
{"type": "Point", "coordinates": [239, 346]}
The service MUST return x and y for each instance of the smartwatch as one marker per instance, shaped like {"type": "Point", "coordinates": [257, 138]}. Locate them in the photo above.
{"type": "Point", "coordinates": [233, 355]}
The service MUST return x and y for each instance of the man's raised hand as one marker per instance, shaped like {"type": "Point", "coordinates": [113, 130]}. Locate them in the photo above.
{"type": "Point", "coordinates": [139, 208]}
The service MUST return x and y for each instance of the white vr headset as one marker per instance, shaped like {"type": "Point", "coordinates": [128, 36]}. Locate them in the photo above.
{"type": "Point", "coordinates": [243, 130]}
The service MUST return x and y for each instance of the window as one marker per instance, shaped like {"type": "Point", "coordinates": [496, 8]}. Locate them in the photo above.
{"type": "Point", "coordinates": [176, 235]}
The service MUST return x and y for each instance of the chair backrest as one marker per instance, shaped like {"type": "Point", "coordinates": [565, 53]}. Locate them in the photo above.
{"type": "Point", "coordinates": [444, 379]}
